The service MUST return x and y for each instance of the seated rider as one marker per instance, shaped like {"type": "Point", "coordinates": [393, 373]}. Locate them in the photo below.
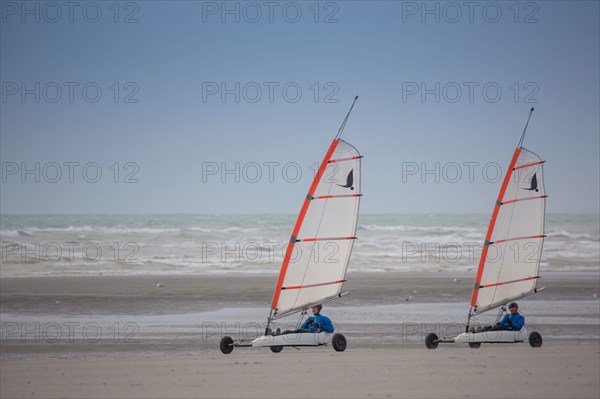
{"type": "Point", "coordinates": [315, 324]}
{"type": "Point", "coordinates": [511, 321]}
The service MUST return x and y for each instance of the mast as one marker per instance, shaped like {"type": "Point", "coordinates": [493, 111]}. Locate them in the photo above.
{"type": "Point", "coordinates": [520, 145]}
{"type": "Point", "coordinates": [341, 129]}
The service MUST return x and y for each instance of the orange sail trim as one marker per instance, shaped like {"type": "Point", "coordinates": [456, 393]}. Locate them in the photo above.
{"type": "Point", "coordinates": [345, 159]}
{"type": "Point", "coordinates": [527, 165]}
{"type": "Point", "coordinates": [517, 238]}
{"type": "Point", "coordinates": [299, 221]}
{"type": "Point", "coordinates": [509, 282]}
{"type": "Point", "coordinates": [325, 239]}
{"type": "Point", "coordinates": [337, 196]}
{"type": "Point", "coordinates": [524, 199]}
{"type": "Point", "coordinates": [297, 287]}
{"type": "Point", "coordinates": [490, 230]}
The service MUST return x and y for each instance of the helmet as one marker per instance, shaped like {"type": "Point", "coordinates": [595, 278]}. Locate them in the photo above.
{"type": "Point", "coordinates": [513, 305]}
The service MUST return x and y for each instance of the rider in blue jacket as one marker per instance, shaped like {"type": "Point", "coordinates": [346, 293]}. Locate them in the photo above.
{"type": "Point", "coordinates": [511, 321]}
{"type": "Point", "coordinates": [317, 322]}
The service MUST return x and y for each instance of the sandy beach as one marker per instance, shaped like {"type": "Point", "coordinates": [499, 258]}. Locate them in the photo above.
{"type": "Point", "coordinates": [554, 371]}
{"type": "Point", "coordinates": [157, 336]}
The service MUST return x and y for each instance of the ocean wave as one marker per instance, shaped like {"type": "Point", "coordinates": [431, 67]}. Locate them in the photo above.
{"type": "Point", "coordinates": [185, 244]}
{"type": "Point", "coordinates": [200, 229]}
{"type": "Point", "coordinates": [15, 233]}
{"type": "Point", "coordinates": [565, 234]}
{"type": "Point", "coordinates": [9, 233]}
{"type": "Point", "coordinates": [433, 229]}
{"type": "Point", "coordinates": [105, 230]}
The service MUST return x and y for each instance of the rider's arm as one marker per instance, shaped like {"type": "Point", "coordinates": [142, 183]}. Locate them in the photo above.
{"type": "Point", "coordinates": [326, 325]}
{"type": "Point", "coordinates": [504, 320]}
{"type": "Point", "coordinates": [518, 322]}
{"type": "Point", "coordinates": [307, 323]}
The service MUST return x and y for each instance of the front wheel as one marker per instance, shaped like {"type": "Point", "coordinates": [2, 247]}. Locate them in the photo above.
{"type": "Point", "coordinates": [535, 339]}
{"type": "Point", "coordinates": [226, 345]}
{"type": "Point", "coordinates": [431, 341]}
{"type": "Point", "coordinates": [339, 342]}
{"type": "Point", "coordinates": [474, 345]}
{"type": "Point", "coordinates": [276, 349]}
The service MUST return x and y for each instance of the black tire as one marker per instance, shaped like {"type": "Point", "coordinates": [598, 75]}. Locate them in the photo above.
{"type": "Point", "coordinates": [339, 342]}
{"type": "Point", "coordinates": [474, 345]}
{"type": "Point", "coordinates": [226, 345]}
{"type": "Point", "coordinates": [535, 339]}
{"type": "Point", "coordinates": [276, 349]}
{"type": "Point", "coordinates": [431, 341]}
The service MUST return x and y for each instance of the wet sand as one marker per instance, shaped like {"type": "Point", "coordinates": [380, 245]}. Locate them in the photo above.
{"type": "Point", "coordinates": [140, 294]}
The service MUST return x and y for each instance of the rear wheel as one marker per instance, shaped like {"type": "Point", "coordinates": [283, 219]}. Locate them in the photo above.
{"type": "Point", "coordinates": [276, 349]}
{"type": "Point", "coordinates": [535, 339]}
{"type": "Point", "coordinates": [431, 341]}
{"type": "Point", "coordinates": [339, 342]}
{"type": "Point", "coordinates": [226, 345]}
{"type": "Point", "coordinates": [474, 345]}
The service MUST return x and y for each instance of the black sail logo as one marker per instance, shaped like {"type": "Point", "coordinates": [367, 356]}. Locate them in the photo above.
{"type": "Point", "coordinates": [349, 181]}
{"type": "Point", "coordinates": [534, 184]}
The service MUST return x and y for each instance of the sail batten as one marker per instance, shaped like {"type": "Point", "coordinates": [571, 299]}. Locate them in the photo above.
{"type": "Point", "coordinates": [528, 165]}
{"type": "Point", "coordinates": [337, 196]}
{"type": "Point", "coordinates": [516, 239]}
{"type": "Point", "coordinates": [297, 287]}
{"type": "Point", "coordinates": [524, 199]}
{"type": "Point", "coordinates": [509, 282]}
{"type": "Point", "coordinates": [345, 159]}
{"type": "Point", "coordinates": [324, 239]}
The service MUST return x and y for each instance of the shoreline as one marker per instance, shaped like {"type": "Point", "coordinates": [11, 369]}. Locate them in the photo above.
{"type": "Point", "coordinates": [68, 316]}
{"type": "Point", "coordinates": [435, 286]}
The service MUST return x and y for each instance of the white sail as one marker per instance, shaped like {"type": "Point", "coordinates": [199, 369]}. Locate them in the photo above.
{"type": "Point", "coordinates": [314, 267]}
{"type": "Point", "coordinates": [510, 260]}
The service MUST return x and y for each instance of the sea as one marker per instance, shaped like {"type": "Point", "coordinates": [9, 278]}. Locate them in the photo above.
{"type": "Point", "coordinates": [185, 244]}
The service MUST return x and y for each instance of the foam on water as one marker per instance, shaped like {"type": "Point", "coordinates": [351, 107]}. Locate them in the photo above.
{"type": "Point", "coordinates": [56, 245]}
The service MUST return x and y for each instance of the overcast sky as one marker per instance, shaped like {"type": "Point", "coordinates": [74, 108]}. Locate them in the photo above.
{"type": "Point", "coordinates": [213, 107]}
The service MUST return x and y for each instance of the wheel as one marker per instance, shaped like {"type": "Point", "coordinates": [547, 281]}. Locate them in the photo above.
{"type": "Point", "coordinates": [339, 343]}
{"type": "Point", "coordinates": [226, 345]}
{"type": "Point", "coordinates": [276, 349]}
{"type": "Point", "coordinates": [474, 345]}
{"type": "Point", "coordinates": [431, 341]}
{"type": "Point", "coordinates": [535, 339]}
